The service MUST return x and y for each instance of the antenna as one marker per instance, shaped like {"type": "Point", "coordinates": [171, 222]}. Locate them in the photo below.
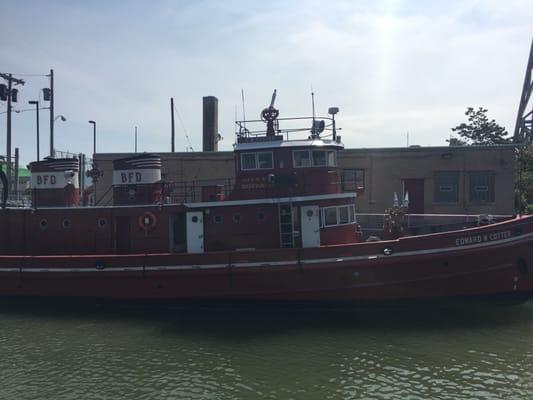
{"type": "Point", "coordinates": [172, 130]}
{"type": "Point", "coordinates": [243, 109]}
{"type": "Point", "coordinates": [313, 102]}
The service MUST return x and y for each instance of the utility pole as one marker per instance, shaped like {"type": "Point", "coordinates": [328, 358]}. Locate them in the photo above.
{"type": "Point", "coordinates": [51, 113]}
{"type": "Point", "coordinates": [11, 96]}
{"type": "Point", "coordinates": [135, 139]}
{"type": "Point", "coordinates": [173, 131]}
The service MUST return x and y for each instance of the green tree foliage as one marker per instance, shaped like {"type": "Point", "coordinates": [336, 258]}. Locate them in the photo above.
{"type": "Point", "coordinates": [524, 182]}
{"type": "Point", "coordinates": [479, 130]}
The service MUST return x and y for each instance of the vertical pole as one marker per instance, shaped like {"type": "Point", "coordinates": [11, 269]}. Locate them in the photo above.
{"type": "Point", "coordinates": [94, 139]}
{"type": "Point", "coordinates": [51, 113]}
{"type": "Point", "coordinates": [172, 122]}
{"type": "Point", "coordinates": [16, 183]}
{"type": "Point", "coordinates": [81, 176]}
{"type": "Point", "coordinates": [37, 112]}
{"type": "Point", "coordinates": [8, 145]}
{"type": "Point", "coordinates": [135, 139]}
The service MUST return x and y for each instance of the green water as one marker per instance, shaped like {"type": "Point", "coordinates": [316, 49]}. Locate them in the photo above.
{"type": "Point", "coordinates": [134, 353]}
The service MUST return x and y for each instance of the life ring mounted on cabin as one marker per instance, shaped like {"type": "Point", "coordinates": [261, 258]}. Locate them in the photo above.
{"type": "Point", "coordinates": [147, 221]}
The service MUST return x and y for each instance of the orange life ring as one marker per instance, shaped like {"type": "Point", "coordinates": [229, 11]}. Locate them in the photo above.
{"type": "Point", "coordinates": [147, 221]}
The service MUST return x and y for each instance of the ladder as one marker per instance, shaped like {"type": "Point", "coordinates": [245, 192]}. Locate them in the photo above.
{"type": "Point", "coordinates": [286, 226]}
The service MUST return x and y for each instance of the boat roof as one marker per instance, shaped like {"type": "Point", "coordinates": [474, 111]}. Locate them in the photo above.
{"type": "Point", "coordinates": [276, 144]}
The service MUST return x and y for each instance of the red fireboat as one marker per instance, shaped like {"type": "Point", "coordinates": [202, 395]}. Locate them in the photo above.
{"type": "Point", "coordinates": [283, 231]}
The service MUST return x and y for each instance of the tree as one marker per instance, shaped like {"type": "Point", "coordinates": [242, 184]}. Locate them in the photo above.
{"type": "Point", "coordinates": [479, 130]}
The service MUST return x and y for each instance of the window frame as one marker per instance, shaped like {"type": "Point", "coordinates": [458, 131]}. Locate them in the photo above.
{"type": "Point", "coordinates": [446, 187]}
{"type": "Point", "coordinates": [351, 215]}
{"type": "Point", "coordinates": [311, 158]}
{"type": "Point", "coordinates": [355, 180]}
{"type": "Point", "coordinates": [489, 186]}
{"type": "Point", "coordinates": [256, 160]}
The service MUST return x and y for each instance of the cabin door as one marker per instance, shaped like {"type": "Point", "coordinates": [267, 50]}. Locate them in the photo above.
{"type": "Point", "coordinates": [195, 232]}
{"type": "Point", "coordinates": [178, 233]}
{"type": "Point", "coordinates": [310, 226]}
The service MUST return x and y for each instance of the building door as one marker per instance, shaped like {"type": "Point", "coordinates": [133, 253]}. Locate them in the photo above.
{"type": "Point", "coordinates": [310, 226]}
{"type": "Point", "coordinates": [415, 188]}
{"type": "Point", "coordinates": [195, 232]}
{"type": "Point", "coordinates": [123, 235]}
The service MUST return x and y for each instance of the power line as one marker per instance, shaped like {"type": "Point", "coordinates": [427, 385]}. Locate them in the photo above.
{"type": "Point", "coordinates": [184, 129]}
{"type": "Point", "coordinates": [34, 75]}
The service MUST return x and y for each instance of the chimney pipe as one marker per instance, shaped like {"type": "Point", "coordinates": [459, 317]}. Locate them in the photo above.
{"type": "Point", "coordinates": [210, 123]}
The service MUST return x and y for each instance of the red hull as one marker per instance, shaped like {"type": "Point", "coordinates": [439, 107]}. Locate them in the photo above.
{"type": "Point", "coordinates": [491, 260]}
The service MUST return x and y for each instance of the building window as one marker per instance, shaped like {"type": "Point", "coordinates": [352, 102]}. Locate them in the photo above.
{"type": "Point", "coordinates": [446, 186]}
{"type": "Point", "coordinates": [217, 219]}
{"type": "Point", "coordinates": [314, 158]}
{"type": "Point", "coordinates": [338, 215]}
{"type": "Point", "coordinates": [237, 218]}
{"type": "Point", "coordinates": [352, 179]}
{"type": "Point", "coordinates": [481, 186]}
{"type": "Point", "coordinates": [260, 160]}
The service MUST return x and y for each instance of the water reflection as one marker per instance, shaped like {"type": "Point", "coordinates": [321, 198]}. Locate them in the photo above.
{"type": "Point", "coordinates": [144, 353]}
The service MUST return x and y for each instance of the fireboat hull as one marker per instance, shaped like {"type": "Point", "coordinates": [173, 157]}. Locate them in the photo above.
{"type": "Point", "coordinates": [493, 261]}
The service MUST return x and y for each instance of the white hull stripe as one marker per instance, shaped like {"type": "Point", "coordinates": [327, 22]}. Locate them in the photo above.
{"type": "Point", "coordinates": [272, 200]}
{"type": "Point", "coordinates": [372, 257]}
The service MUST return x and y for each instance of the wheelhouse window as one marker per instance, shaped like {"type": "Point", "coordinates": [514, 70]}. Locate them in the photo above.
{"type": "Point", "coordinates": [338, 215]}
{"type": "Point", "coordinates": [258, 160]}
{"type": "Point", "coordinates": [301, 158]}
{"type": "Point", "coordinates": [314, 158]}
{"type": "Point", "coordinates": [319, 158]}
{"type": "Point", "coordinates": [332, 158]}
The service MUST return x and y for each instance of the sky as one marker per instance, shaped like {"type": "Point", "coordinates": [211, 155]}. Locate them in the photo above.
{"type": "Point", "coordinates": [400, 71]}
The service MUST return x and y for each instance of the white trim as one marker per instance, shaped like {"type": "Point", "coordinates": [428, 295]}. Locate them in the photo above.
{"type": "Point", "coordinates": [368, 257]}
{"type": "Point", "coordinates": [288, 143]}
{"type": "Point", "coordinates": [271, 200]}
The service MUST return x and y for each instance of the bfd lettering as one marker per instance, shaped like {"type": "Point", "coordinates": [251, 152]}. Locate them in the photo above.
{"type": "Point", "coordinates": [46, 180]}
{"type": "Point", "coordinates": [131, 177]}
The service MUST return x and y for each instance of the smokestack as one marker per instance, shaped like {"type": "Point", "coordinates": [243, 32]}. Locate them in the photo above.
{"type": "Point", "coordinates": [210, 123]}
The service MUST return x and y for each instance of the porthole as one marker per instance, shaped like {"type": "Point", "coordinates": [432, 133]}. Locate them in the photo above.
{"type": "Point", "coordinates": [194, 219]}
{"type": "Point", "coordinates": [66, 223]}
{"type": "Point", "coordinates": [388, 251]}
{"type": "Point", "coordinates": [43, 224]}
{"type": "Point", "coordinates": [309, 213]}
{"type": "Point", "coordinates": [261, 216]}
{"type": "Point", "coordinates": [217, 219]}
{"type": "Point", "coordinates": [237, 218]}
{"type": "Point", "coordinates": [102, 222]}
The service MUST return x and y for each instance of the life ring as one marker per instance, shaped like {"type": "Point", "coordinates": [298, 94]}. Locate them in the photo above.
{"type": "Point", "coordinates": [147, 221]}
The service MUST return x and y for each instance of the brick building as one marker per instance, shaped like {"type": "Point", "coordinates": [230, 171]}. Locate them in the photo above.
{"type": "Point", "coordinates": [440, 180]}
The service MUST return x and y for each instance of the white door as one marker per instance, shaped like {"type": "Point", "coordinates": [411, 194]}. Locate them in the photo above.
{"type": "Point", "coordinates": [310, 226]}
{"type": "Point", "coordinates": [195, 232]}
